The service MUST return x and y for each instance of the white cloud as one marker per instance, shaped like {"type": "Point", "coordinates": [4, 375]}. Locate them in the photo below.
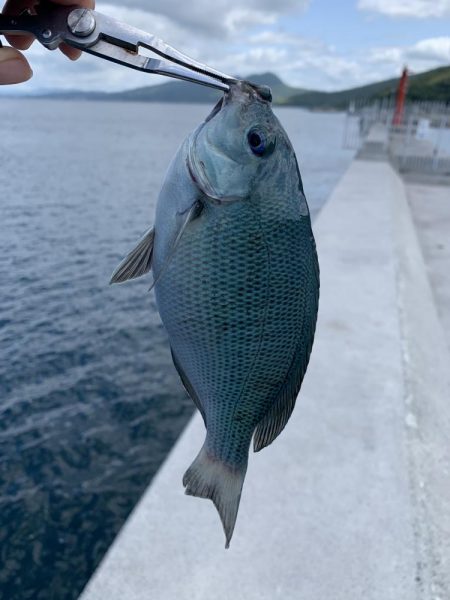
{"type": "Point", "coordinates": [275, 38]}
{"type": "Point", "coordinates": [208, 19]}
{"type": "Point", "coordinates": [240, 19]}
{"type": "Point", "coordinates": [433, 49]}
{"type": "Point", "coordinates": [305, 62]}
{"type": "Point", "coordinates": [382, 56]}
{"type": "Point", "coordinates": [424, 54]}
{"type": "Point", "coordinates": [253, 60]}
{"type": "Point", "coordinates": [419, 9]}
{"type": "Point", "coordinates": [151, 22]}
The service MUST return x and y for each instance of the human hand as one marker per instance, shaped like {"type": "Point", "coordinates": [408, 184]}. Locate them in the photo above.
{"type": "Point", "coordinates": [14, 67]}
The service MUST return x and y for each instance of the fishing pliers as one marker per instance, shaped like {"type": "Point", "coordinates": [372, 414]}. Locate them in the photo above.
{"type": "Point", "coordinates": [103, 36]}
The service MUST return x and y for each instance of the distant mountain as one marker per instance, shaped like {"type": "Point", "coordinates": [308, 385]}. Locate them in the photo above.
{"type": "Point", "coordinates": [340, 100]}
{"type": "Point", "coordinates": [431, 85]}
{"type": "Point", "coordinates": [176, 91]}
{"type": "Point", "coordinates": [172, 91]}
{"type": "Point", "coordinates": [281, 92]}
{"type": "Point", "coordinates": [183, 91]}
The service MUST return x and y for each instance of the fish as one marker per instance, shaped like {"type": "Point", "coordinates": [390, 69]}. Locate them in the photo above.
{"type": "Point", "coordinates": [236, 279]}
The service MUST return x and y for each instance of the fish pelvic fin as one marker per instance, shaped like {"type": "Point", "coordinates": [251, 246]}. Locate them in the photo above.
{"type": "Point", "coordinates": [188, 386]}
{"type": "Point", "coordinates": [209, 477]}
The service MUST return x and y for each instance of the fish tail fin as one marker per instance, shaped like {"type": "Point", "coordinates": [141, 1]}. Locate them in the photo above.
{"type": "Point", "coordinates": [209, 477]}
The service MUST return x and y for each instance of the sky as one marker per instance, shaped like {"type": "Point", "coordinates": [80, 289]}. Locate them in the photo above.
{"type": "Point", "coordinates": [314, 44]}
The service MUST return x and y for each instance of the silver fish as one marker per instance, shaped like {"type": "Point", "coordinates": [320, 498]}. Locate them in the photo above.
{"type": "Point", "coordinates": [237, 285]}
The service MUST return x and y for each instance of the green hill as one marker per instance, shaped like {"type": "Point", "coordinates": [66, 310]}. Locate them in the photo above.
{"type": "Point", "coordinates": [182, 91]}
{"type": "Point", "coordinates": [172, 91]}
{"type": "Point", "coordinates": [431, 85]}
{"type": "Point", "coordinates": [281, 92]}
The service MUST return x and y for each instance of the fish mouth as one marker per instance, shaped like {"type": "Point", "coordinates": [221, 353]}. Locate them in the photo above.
{"type": "Point", "coordinates": [246, 91]}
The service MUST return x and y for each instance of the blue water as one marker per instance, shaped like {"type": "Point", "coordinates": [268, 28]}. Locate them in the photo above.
{"type": "Point", "coordinates": [90, 403]}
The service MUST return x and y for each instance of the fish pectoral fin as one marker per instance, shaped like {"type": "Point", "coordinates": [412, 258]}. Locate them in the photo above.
{"type": "Point", "coordinates": [188, 386]}
{"type": "Point", "coordinates": [184, 218]}
{"type": "Point", "coordinates": [138, 261]}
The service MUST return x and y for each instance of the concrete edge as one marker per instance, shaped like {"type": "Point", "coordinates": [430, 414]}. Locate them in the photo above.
{"type": "Point", "coordinates": [426, 364]}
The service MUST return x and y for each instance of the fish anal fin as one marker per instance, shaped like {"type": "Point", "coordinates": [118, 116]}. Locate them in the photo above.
{"type": "Point", "coordinates": [137, 262]}
{"type": "Point", "coordinates": [188, 386]}
{"type": "Point", "coordinates": [209, 477]}
{"type": "Point", "coordinates": [275, 420]}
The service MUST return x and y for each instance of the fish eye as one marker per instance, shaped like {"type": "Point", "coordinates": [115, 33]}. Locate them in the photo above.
{"type": "Point", "coordinates": [257, 142]}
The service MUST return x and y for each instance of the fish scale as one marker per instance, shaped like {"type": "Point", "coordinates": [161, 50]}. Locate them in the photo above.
{"type": "Point", "coordinates": [232, 305]}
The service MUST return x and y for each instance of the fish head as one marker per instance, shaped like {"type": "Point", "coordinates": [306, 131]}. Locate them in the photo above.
{"type": "Point", "coordinates": [236, 142]}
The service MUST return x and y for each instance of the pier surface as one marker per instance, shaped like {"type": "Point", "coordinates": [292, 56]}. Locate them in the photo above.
{"type": "Point", "coordinates": [430, 208]}
{"type": "Point", "coordinates": [352, 500]}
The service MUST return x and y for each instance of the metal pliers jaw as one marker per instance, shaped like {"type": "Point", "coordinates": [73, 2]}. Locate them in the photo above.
{"type": "Point", "coordinates": [112, 40]}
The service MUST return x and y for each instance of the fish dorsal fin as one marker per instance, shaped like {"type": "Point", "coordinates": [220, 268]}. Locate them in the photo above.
{"type": "Point", "coordinates": [138, 261]}
{"type": "Point", "coordinates": [273, 423]}
{"type": "Point", "coordinates": [188, 386]}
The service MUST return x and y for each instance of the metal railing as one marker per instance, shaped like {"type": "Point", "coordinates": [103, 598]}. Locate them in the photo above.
{"type": "Point", "coordinates": [421, 144]}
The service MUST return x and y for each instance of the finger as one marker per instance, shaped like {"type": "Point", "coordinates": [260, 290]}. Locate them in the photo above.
{"type": "Point", "coordinates": [83, 3]}
{"type": "Point", "coordinates": [15, 7]}
{"type": "Point", "coordinates": [23, 42]}
{"type": "Point", "coordinates": [72, 53]}
{"type": "Point", "coordinates": [14, 67]}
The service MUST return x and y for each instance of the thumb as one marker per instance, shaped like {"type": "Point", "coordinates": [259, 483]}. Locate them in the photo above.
{"type": "Point", "coordinates": [14, 67]}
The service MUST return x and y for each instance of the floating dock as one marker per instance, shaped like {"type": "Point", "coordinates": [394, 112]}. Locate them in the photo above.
{"type": "Point", "coordinates": [352, 501]}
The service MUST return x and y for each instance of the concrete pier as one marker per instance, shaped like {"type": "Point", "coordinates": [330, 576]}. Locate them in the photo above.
{"type": "Point", "coordinates": [430, 208]}
{"type": "Point", "coordinates": [352, 501]}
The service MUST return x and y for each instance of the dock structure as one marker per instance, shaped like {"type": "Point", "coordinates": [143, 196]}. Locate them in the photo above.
{"type": "Point", "coordinates": [352, 501]}
{"type": "Point", "coordinates": [418, 146]}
